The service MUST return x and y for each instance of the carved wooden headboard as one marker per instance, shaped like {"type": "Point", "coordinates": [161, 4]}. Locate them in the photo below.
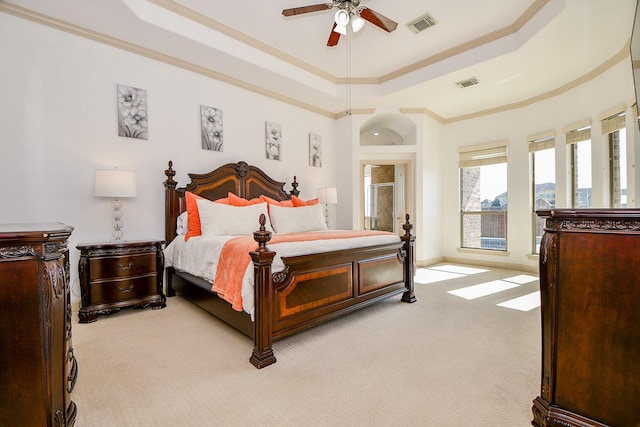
{"type": "Point", "coordinates": [239, 178]}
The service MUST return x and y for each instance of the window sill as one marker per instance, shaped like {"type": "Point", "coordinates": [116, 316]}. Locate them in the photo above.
{"type": "Point", "coordinates": [483, 252]}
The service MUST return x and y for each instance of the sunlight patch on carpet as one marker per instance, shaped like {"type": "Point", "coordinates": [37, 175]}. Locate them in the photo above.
{"type": "Point", "coordinates": [458, 269]}
{"type": "Point", "coordinates": [523, 303]}
{"type": "Point", "coordinates": [428, 275]}
{"type": "Point", "coordinates": [483, 289]}
{"type": "Point", "coordinates": [521, 279]}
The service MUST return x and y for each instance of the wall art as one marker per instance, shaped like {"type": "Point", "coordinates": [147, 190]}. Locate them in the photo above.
{"type": "Point", "coordinates": [132, 112]}
{"type": "Point", "coordinates": [211, 128]}
{"type": "Point", "coordinates": [273, 142]}
{"type": "Point", "coordinates": [315, 150]}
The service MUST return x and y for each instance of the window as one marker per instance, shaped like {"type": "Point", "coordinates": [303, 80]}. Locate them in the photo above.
{"type": "Point", "coordinates": [543, 180]}
{"type": "Point", "coordinates": [579, 141]}
{"type": "Point", "coordinates": [483, 197]}
{"type": "Point", "coordinates": [614, 127]}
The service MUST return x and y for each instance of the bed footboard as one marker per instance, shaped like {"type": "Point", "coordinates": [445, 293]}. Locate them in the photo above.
{"type": "Point", "coordinates": [311, 289]}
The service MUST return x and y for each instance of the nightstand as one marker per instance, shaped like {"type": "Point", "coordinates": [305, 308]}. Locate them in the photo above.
{"type": "Point", "coordinates": [118, 275]}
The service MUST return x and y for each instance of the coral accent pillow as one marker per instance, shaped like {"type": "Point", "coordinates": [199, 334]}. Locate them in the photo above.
{"type": "Point", "coordinates": [299, 202]}
{"type": "Point", "coordinates": [285, 203]}
{"type": "Point", "coordinates": [193, 217]}
{"type": "Point", "coordinates": [239, 201]}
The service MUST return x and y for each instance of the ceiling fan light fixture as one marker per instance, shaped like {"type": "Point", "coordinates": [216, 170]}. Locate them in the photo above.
{"type": "Point", "coordinates": [342, 18]}
{"type": "Point", "coordinates": [357, 23]}
{"type": "Point", "coordinates": [340, 30]}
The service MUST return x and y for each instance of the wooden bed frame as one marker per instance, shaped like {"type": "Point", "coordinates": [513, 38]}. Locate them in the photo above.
{"type": "Point", "coordinates": [311, 289]}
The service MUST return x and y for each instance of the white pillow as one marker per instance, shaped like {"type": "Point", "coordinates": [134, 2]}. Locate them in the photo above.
{"type": "Point", "coordinates": [298, 219]}
{"type": "Point", "coordinates": [181, 224]}
{"type": "Point", "coordinates": [217, 219]}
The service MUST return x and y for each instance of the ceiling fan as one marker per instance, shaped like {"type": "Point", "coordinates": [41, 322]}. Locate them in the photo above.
{"type": "Point", "coordinates": [347, 11]}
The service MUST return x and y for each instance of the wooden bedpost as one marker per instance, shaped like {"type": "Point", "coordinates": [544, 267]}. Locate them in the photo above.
{"type": "Point", "coordinates": [409, 261]}
{"type": "Point", "coordinates": [263, 299]}
{"type": "Point", "coordinates": [171, 204]}
{"type": "Point", "coordinates": [170, 215]}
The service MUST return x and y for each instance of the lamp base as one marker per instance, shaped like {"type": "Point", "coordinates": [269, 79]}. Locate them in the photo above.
{"type": "Point", "coordinates": [117, 234]}
{"type": "Point", "coordinates": [326, 214]}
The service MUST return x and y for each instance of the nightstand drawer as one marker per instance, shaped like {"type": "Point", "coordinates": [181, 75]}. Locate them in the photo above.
{"type": "Point", "coordinates": [122, 266]}
{"type": "Point", "coordinates": [122, 290]}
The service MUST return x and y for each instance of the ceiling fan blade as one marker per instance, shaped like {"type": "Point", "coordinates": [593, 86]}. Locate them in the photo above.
{"type": "Point", "coordinates": [334, 37]}
{"type": "Point", "coordinates": [378, 20]}
{"type": "Point", "coordinates": [306, 9]}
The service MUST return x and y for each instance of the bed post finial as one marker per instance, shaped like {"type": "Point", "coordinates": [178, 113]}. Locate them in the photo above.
{"type": "Point", "coordinates": [409, 261]}
{"type": "Point", "coordinates": [294, 184]}
{"type": "Point", "coordinates": [262, 236]}
{"type": "Point", "coordinates": [170, 173]}
{"type": "Point", "coordinates": [407, 226]}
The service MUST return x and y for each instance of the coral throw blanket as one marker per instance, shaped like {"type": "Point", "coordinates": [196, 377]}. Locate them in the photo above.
{"type": "Point", "coordinates": [234, 259]}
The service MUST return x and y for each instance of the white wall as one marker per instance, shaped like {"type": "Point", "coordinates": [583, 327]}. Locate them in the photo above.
{"type": "Point", "coordinates": [58, 125]}
{"type": "Point", "coordinates": [587, 101]}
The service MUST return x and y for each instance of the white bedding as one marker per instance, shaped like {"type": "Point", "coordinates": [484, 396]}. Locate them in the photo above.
{"type": "Point", "coordinates": [199, 256]}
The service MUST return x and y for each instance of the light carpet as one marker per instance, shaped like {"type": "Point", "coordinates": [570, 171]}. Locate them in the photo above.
{"type": "Point", "coordinates": [442, 361]}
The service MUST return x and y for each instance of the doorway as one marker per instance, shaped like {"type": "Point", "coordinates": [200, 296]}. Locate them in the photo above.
{"type": "Point", "coordinates": [384, 194]}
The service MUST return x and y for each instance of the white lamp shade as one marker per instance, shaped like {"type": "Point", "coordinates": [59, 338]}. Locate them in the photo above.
{"type": "Point", "coordinates": [340, 30]}
{"type": "Point", "coordinates": [327, 195]}
{"type": "Point", "coordinates": [357, 23]}
{"type": "Point", "coordinates": [114, 183]}
{"type": "Point", "coordinates": [342, 18]}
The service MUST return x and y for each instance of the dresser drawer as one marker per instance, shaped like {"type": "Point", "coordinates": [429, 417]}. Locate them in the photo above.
{"type": "Point", "coordinates": [122, 290]}
{"type": "Point", "coordinates": [122, 266]}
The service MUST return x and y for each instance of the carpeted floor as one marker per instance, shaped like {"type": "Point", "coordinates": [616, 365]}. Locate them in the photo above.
{"type": "Point", "coordinates": [443, 361]}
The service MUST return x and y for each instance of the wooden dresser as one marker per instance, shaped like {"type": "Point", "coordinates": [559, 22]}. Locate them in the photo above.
{"type": "Point", "coordinates": [38, 369]}
{"type": "Point", "coordinates": [590, 293]}
{"type": "Point", "coordinates": [118, 275]}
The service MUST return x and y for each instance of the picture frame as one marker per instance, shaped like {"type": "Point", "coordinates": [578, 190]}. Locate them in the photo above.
{"type": "Point", "coordinates": [211, 128]}
{"type": "Point", "coordinates": [132, 112]}
{"type": "Point", "coordinates": [315, 150]}
{"type": "Point", "coordinates": [273, 140]}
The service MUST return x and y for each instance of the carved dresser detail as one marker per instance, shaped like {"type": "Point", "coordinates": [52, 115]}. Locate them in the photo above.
{"type": "Point", "coordinates": [38, 369]}
{"type": "Point", "coordinates": [590, 294]}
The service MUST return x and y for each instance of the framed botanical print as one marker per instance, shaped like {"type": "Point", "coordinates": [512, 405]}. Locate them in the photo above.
{"type": "Point", "coordinates": [211, 128]}
{"type": "Point", "coordinates": [315, 150]}
{"type": "Point", "coordinates": [132, 112]}
{"type": "Point", "coordinates": [273, 140]}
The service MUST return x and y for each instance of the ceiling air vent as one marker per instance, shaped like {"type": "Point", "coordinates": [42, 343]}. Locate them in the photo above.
{"type": "Point", "coordinates": [422, 23]}
{"type": "Point", "coordinates": [468, 82]}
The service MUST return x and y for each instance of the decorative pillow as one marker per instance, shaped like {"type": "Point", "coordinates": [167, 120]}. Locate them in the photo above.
{"type": "Point", "coordinates": [193, 220]}
{"type": "Point", "coordinates": [239, 201]}
{"type": "Point", "coordinates": [193, 217]}
{"type": "Point", "coordinates": [182, 224]}
{"type": "Point", "coordinates": [270, 201]}
{"type": "Point", "coordinates": [218, 219]}
{"type": "Point", "coordinates": [297, 220]}
{"type": "Point", "coordinates": [299, 202]}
